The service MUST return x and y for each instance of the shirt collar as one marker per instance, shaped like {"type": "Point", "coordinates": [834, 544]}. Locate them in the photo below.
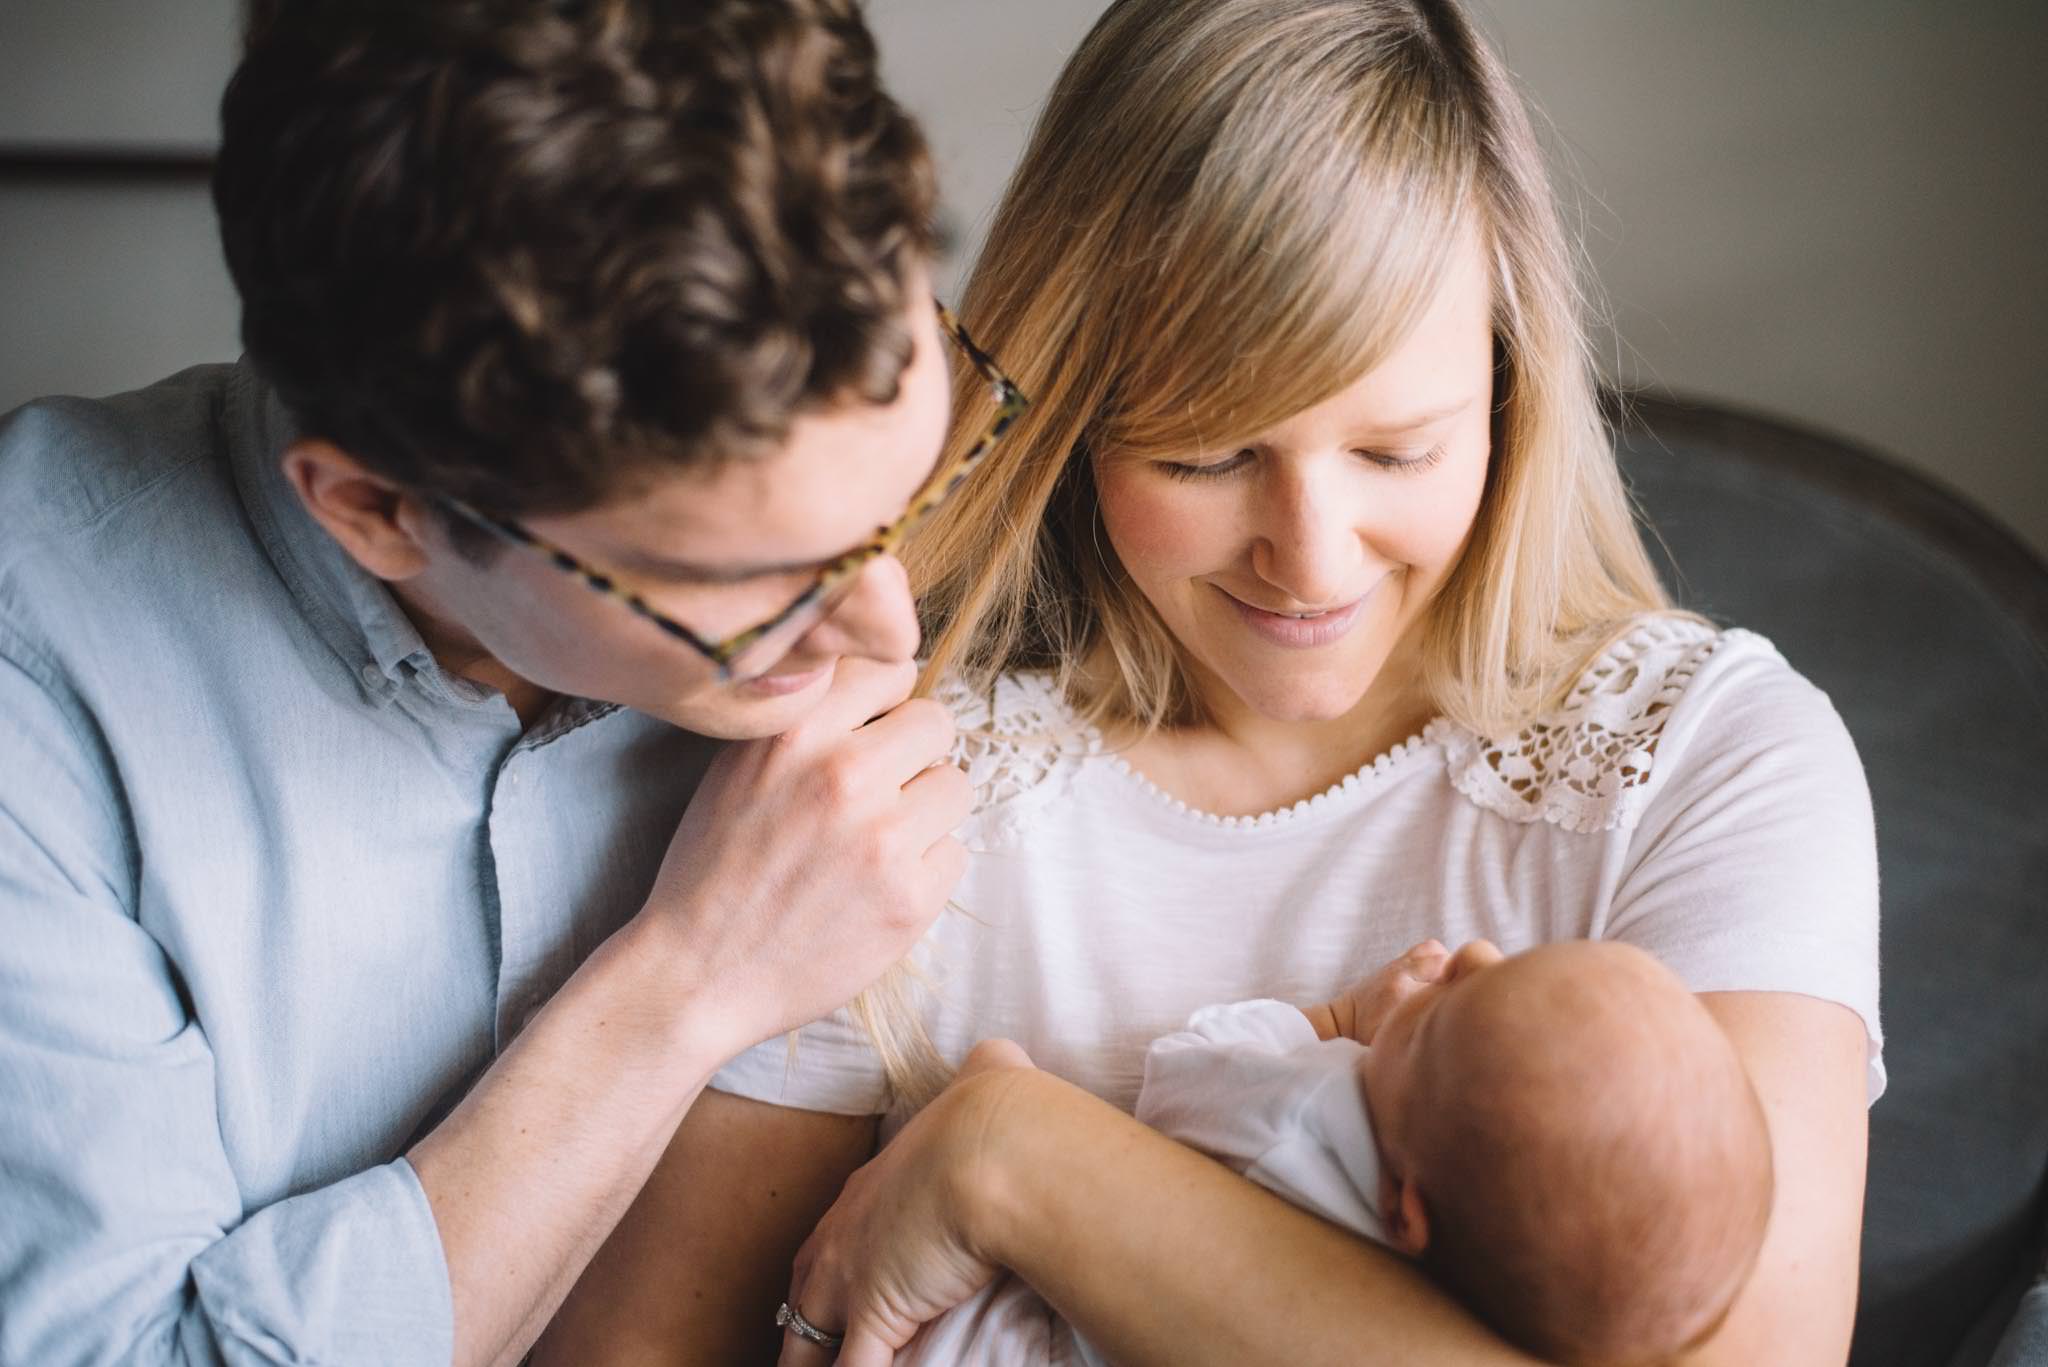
{"type": "Point", "coordinates": [350, 609]}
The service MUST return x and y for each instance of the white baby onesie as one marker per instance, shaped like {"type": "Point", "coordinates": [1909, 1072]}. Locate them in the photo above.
{"type": "Point", "coordinates": [1248, 1084]}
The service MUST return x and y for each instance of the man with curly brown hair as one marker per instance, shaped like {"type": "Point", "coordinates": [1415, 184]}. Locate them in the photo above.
{"type": "Point", "coordinates": [374, 899]}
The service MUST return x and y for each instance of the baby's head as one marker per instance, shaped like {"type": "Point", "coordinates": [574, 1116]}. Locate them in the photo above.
{"type": "Point", "coordinates": [1573, 1148]}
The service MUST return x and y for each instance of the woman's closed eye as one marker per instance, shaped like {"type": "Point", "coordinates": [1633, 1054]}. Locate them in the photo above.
{"type": "Point", "coordinates": [1214, 469]}
{"type": "Point", "coordinates": [1238, 460]}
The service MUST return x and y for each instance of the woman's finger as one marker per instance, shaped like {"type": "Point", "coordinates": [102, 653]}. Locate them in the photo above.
{"type": "Point", "coordinates": [798, 1351]}
{"type": "Point", "coordinates": [866, 1348]}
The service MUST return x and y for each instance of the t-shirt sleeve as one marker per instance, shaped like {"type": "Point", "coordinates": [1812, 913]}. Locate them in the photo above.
{"type": "Point", "coordinates": [829, 1065]}
{"type": "Point", "coordinates": [1753, 867]}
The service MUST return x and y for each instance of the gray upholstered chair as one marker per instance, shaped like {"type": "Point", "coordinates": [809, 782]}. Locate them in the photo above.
{"type": "Point", "coordinates": [1927, 624]}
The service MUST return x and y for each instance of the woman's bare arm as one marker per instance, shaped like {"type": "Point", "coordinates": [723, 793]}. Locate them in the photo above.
{"type": "Point", "coordinates": [1161, 1256]}
{"type": "Point", "coordinates": [1207, 1276]}
{"type": "Point", "coordinates": [694, 1271]}
{"type": "Point", "coordinates": [1158, 1254]}
{"type": "Point", "coordinates": [1807, 1060]}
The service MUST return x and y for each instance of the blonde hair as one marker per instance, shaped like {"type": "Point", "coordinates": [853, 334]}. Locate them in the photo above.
{"type": "Point", "coordinates": [1229, 211]}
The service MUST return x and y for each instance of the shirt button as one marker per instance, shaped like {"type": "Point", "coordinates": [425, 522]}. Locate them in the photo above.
{"type": "Point", "coordinates": [373, 677]}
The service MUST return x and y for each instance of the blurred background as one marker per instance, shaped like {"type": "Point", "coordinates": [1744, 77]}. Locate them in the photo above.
{"type": "Point", "coordinates": [1833, 212]}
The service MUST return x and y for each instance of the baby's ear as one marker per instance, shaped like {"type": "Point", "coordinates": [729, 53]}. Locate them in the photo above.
{"type": "Point", "coordinates": [1401, 1210]}
{"type": "Point", "coordinates": [1406, 1218]}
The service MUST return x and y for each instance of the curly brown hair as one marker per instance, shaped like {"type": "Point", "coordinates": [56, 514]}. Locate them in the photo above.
{"type": "Point", "coordinates": [525, 252]}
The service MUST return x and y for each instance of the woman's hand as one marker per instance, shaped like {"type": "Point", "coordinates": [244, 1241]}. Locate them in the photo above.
{"type": "Point", "coordinates": [894, 1251]}
{"type": "Point", "coordinates": [1357, 1012]}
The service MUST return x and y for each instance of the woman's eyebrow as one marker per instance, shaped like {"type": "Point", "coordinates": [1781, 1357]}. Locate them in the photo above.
{"type": "Point", "coordinates": [1426, 417]}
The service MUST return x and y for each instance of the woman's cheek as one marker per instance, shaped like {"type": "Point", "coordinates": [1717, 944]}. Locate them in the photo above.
{"type": "Point", "coordinates": [1156, 530]}
{"type": "Point", "coordinates": [1439, 522]}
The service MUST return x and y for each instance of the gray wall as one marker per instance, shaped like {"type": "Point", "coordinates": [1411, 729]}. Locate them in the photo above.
{"type": "Point", "coordinates": [1832, 211]}
{"type": "Point", "coordinates": [107, 284]}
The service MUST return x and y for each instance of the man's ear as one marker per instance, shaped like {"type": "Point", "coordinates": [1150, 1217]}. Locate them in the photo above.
{"type": "Point", "coordinates": [1403, 1212]}
{"type": "Point", "coordinates": [374, 520]}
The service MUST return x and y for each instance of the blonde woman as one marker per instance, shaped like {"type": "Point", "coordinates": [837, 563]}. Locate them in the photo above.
{"type": "Point", "coordinates": [1301, 618]}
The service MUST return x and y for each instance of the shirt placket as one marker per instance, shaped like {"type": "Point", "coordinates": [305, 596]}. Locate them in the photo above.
{"type": "Point", "coordinates": [533, 939]}
{"type": "Point", "coordinates": [538, 867]}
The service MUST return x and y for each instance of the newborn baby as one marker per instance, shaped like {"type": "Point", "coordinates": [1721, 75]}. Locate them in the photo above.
{"type": "Point", "coordinates": [1564, 1139]}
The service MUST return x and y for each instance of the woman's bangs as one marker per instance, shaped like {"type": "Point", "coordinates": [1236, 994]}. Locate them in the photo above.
{"type": "Point", "coordinates": [1292, 273]}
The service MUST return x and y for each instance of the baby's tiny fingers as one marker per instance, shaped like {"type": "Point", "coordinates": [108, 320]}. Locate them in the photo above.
{"type": "Point", "coordinates": [1427, 959]}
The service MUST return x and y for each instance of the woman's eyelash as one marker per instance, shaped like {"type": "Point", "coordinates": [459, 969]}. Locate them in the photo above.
{"type": "Point", "coordinates": [1213, 470]}
{"type": "Point", "coordinates": [1408, 463]}
{"type": "Point", "coordinates": [1220, 468]}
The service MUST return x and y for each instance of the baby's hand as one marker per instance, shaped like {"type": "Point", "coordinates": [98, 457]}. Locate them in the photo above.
{"type": "Point", "coordinates": [1357, 1011]}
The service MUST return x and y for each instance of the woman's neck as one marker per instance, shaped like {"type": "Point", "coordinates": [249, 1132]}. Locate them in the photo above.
{"type": "Point", "coordinates": [1240, 763]}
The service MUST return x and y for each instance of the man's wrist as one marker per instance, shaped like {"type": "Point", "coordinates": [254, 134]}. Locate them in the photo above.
{"type": "Point", "coordinates": [673, 1016]}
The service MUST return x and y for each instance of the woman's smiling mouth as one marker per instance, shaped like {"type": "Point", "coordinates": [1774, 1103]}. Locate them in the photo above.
{"type": "Point", "coordinates": [1296, 630]}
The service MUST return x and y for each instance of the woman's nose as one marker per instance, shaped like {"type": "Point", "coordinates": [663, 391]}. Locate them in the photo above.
{"type": "Point", "coordinates": [877, 620]}
{"type": "Point", "coordinates": [1307, 545]}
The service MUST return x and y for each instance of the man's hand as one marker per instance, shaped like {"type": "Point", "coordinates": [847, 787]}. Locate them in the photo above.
{"type": "Point", "coordinates": [1357, 1012]}
{"type": "Point", "coordinates": [808, 863]}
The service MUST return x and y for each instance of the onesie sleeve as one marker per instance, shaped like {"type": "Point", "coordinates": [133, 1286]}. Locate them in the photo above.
{"type": "Point", "coordinates": [1251, 1086]}
{"type": "Point", "coordinates": [1753, 867]}
{"type": "Point", "coordinates": [1234, 1082]}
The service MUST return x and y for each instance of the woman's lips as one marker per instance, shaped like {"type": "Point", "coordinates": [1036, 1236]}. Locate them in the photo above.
{"type": "Point", "coordinates": [1300, 633]}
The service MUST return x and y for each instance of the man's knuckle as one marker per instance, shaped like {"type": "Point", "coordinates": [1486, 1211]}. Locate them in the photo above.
{"type": "Point", "coordinates": [940, 719]}
{"type": "Point", "coordinates": [838, 781]}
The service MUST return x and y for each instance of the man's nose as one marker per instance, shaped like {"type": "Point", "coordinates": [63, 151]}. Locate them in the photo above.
{"type": "Point", "coordinates": [877, 620]}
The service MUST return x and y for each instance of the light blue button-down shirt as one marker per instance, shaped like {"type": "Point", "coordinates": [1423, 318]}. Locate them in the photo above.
{"type": "Point", "coordinates": [274, 889]}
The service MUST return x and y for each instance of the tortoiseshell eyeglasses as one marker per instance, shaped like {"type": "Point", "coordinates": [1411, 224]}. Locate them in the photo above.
{"type": "Point", "coordinates": [753, 652]}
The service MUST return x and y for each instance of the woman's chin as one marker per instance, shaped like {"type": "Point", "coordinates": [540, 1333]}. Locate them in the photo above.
{"type": "Point", "coordinates": [1277, 698]}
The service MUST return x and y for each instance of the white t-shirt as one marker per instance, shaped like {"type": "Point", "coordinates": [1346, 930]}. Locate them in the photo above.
{"type": "Point", "coordinates": [1250, 1085]}
{"type": "Point", "coordinates": [1693, 797]}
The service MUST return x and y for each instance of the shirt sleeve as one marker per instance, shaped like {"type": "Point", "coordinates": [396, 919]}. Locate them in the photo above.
{"type": "Point", "coordinates": [829, 1065]}
{"type": "Point", "coordinates": [1754, 865]}
{"type": "Point", "coordinates": [125, 1238]}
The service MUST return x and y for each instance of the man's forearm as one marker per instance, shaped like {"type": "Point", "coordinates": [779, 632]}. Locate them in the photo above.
{"type": "Point", "coordinates": [534, 1168]}
{"type": "Point", "coordinates": [1159, 1255]}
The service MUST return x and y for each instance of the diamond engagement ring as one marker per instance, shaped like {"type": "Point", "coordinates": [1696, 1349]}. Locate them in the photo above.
{"type": "Point", "coordinates": [789, 1317]}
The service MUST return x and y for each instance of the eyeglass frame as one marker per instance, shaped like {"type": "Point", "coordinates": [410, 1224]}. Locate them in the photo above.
{"type": "Point", "coordinates": [832, 578]}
